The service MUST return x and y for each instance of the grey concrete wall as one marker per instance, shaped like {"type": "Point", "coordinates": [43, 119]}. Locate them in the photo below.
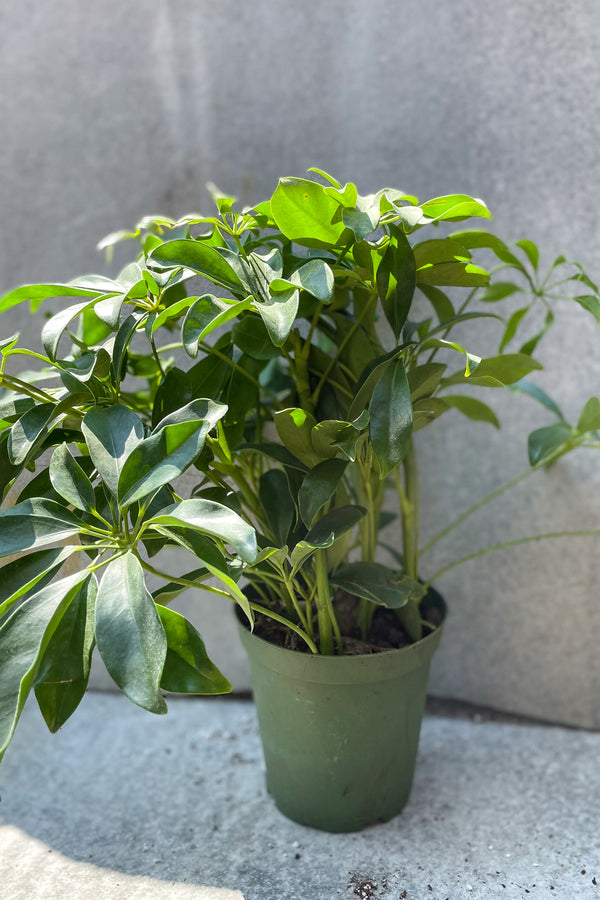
{"type": "Point", "coordinates": [109, 111]}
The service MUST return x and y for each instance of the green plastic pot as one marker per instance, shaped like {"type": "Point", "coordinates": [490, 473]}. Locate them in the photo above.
{"type": "Point", "coordinates": [340, 733]}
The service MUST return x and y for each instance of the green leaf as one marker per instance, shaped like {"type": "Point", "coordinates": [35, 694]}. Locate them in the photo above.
{"type": "Point", "coordinates": [472, 408]}
{"type": "Point", "coordinates": [378, 584]}
{"type": "Point", "coordinates": [453, 207]}
{"type": "Point", "coordinates": [396, 280]}
{"type": "Point", "coordinates": [498, 291]}
{"type": "Point", "coordinates": [441, 304]}
{"type": "Point", "coordinates": [121, 344]}
{"type": "Point", "coordinates": [369, 379]}
{"type": "Point", "coordinates": [438, 250]}
{"type": "Point", "coordinates": [35, 523]}
{"type": "Point", "coordinates": [55, 326]}
{"type": "Point", "coordinates": [316, 278]}
{"type": "Point", "coordinates": [512, 325]}
{"type": "Point", "coordinates": [173, 446]}
{"type": "Point", "coordinates": [591, 304]}
{"type": "Point", "coordinates": [589, 420]}
{"type": "Point", "coordinates": [24, 636]}
{"type": "Point", "coordinates": [478, 238]}
{"type": "Point", "coordinates": [29, 430]}
{"type": "Point", "coordinates": [129, 634]}
{"type": "Point", "coordinates": [207, 313]}
{"type": "Point", "coordinates": [390, 425]}
{"type": "Point", "coordinates": [332, 435]}
{"type": "Point", "coordinates": [452, 274]}
{"type": "Point", "coordinates": [201, 258]}
{"type": "Point", "coordinates": [111, 434]}
{"type": "Point", "coordinates": [305, 213]}
{"type": "Point", "coordinates": [427, 410]}
{"type": "Point", "coordinates": [173, 311]}
{"type": "Point", "coordinates": [213, 519]}
{"type": "Point", "coordinates": [251, 336]}
{"type": "Point", "coordinates": [62, 677]}
{"type": "Point", "coordinates": [549, 442]}
{"type": "Point", "coordinates": [279, 314]}
{"type": "Point", "coordinates": [333, 525]}
{"type": "Point", "coordinates": [187, 669]}
{"type": "Point", "coordinates": [506, 369]}
{"type": "Point", "coordinates": [423, 380]}
{"type": "Point", "coordinates": [34, 570]}
{"type": "Point", "coordinates": [530, 250]}
{"type": "Point", "coordinates": [174, 391]}
{"type": "Point", "coordinates": [173, 589]}
{"type": "Point", "coordinates": [278, 504]}
{"type": "Point", "coordinates": [294, 427]}
{"type": "Point", "coordinates": [318, 487]}
{"type": "Point", "coordinates": [528, 387]}
{"type": "Point", "coordinates": [276, 452]}
{"type": "Point", "coordinates": [38, 292]}
{"type": "Point", "coordinates": [70, 481]}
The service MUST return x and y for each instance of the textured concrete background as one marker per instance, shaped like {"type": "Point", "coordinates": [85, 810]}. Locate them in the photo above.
{"type": "Point", "coordinates": [110, 111]}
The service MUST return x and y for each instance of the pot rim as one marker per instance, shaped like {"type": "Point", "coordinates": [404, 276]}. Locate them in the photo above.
{"type": "Point", "coordinates": [363, 667]}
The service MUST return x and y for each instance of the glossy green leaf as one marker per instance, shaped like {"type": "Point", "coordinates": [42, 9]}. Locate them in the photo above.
{"type": "Point", "coordinates": [28, 572]}
{"type": "Point", "coordinates": [332, 436]}
{"type": "Point", "coordinates": [318, 487]}
{"type": "Point", "coordinates": [369, 379]}
{"type": "Point", "coordinates": [111, 434]}
{"type": "Point", "coordinates": [206, 314]}
{"type": "Point", "coordinates": [478, 238]}
{"type": "Point", "coordinates": [378, 584]}
{"type": "Point", "coordinates": [30, 428]}
{"type": "Point", "coordinates": [172, 589]}
{"type": "Point", "coordinates": [129, 633]}
{"type": "Point", "coordinates": [441, 304]}
{"type": "Point", "coordinates": [187, 669]}
{"type": "Point", "coordinates": [39, 292]}
{"type": "Point", "coordinates": [506, 369]}
{"type": "Point", "coordinates": [472, 408]}
{"type": "Point", "coordinates": [55, 327]}
{"type": "Point", "coordinates": [396, 280]}
{"type": "Point", "coordinates": [251, 336]}
{"type": "Point", "coordinates": [333, 525]}
{"type": "Point", "coordinates": [174, 444]}
{"type": "Point", "coordinates": [173, 311]}
{"type": "Point", "coordinates": [589, 420]}
{"type": "Point", "coordinates": [121, 345]}
{"type": "Point", "coordinates": [173, 392]}
{"type": "Point", "coordinates": [294, 427]}
{"type": "Point", "coordinates": [453, 207]}
{"type": "Point", "coordinates": [278, 504]}
{"type": "Point", "coordinates": [24, 636]}
{"type": "Point", "coordinates": [201, 258]}
{"type": "Point", "coordinates": [439, 250]}
{"type": "Point", "coordinates": [315, 277]}
{"type": "Point", "coordinates": [34, 524]}
{"type": "Point", "coordinates": [212, 519]}
{"type": "Point", "coordinates": [545, 444]}
{"type": "Point", "coordinates": [452, 274]}
{"type": "Point", "coordinates": [390, 425]}
{"type": "Point", "coordinates": [70, 481]}
{"type": "Point", "coordinates": [62, 678]}
{"type": "Point", "coordinates": [276, 452]}
{"type": "Point", "coordinates": [423, 380]}
{"type": "Point", "coordinates": [305, 213]}
{"type": "Point", "coordinates": [427, 410]}
{"type": "Point", "coordinates": [279, 314]}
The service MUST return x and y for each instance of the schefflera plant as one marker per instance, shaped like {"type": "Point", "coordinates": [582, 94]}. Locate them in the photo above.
{"type": "Point", "coordinates": [110, 501]}
{"type": "Point", "coordinates": [328, 338]}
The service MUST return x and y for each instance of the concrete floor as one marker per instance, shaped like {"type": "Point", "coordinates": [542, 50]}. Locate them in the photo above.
{"type": "Point", "coordinates": [122, 804]}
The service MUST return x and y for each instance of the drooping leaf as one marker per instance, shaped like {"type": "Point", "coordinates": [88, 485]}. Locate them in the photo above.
{"type": "Point", "coordinates": [70, 481]}
{"type": "Point", "coordinates": [34, 524]}
{"type": "Point", "coordinates": [62, 677]}
{"type": "Point", "coordinates": [545, 444]}
{"type": "Point", "coordinates": [396, 280]}
{"type": "Point", "coordinates": [378, 584]}
{"type": "Point", "coordinates": [24, 636]}
{"type": "Point", "coordinates": [318, 487]}
{"type": "Point", "coordinates": [111, 434]}
{"type": "Point", "coordinates": [129, 633]}
{"type": "Point", "coordinates": [390, 423]}
{"type": "Point", "coordinates": [187, 669]}
{"type": "Point", "coordinates": [472, 408]}
{"type": "Point", "coordinates": [212, 519]}
{"type": "Point", "coordinates": [279, 314]}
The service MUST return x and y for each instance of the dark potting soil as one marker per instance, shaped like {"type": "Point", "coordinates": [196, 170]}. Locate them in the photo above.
{"type": "Point", "coordinates": [386, 631]}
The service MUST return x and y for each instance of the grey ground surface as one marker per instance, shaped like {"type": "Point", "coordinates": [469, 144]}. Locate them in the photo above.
{"type": "Point", "coordinates": [121, 804]}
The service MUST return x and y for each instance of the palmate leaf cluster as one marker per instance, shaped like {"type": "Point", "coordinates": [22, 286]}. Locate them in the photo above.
{"type": "Point", "coordinates": [286, 354]}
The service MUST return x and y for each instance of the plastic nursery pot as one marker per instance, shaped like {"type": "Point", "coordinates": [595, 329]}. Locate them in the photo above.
{"type": "Point", "coordinates": [340, 733]}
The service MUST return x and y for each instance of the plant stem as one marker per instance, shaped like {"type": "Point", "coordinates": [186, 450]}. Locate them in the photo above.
{"type": "Point", "coordinates": [283, 621]}
{"type": "Point", "coordinates": [514, 543]}
{"type": "Point", "coordinates": [323, 603]}
{"type": "Point", "coordinates": [477, 506]}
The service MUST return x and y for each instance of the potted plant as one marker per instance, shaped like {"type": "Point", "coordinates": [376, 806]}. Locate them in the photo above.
{"type": "Point", "coordinates": [328, 347]}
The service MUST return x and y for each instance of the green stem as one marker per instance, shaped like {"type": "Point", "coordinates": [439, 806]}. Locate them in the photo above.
{"type": "Point", "coordinates": [507, 544]}
{"type": "Point", "coordinates": [300, 364]}
{"type": "Point", "coordinates": [15, 384]}
{"type": "Point", "coordinates": [477, 506]}
{"type": "Point", "coordinates": [323, 603]}
{"type": "Point", "coordinates": [283, 621]}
